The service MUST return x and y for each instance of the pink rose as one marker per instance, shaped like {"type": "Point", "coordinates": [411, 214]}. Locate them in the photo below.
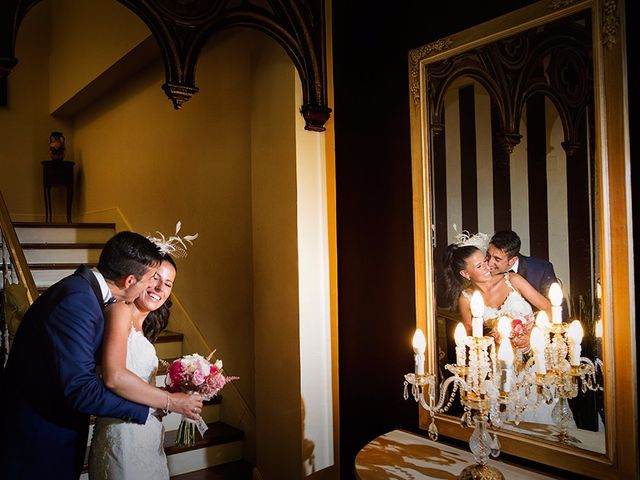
{"type": "Point", "coordinates": [198, 377]}
{"type": "Point", "coordinates": [216, 381]}
{"type": "Point", "coordinates": [517, 327]}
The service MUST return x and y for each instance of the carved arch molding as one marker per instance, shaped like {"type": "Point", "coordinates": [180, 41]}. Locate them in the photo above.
{"type": "Point", "coordinates": [182, 27]}
{"type": "Point", "coordinates": [554, 60]}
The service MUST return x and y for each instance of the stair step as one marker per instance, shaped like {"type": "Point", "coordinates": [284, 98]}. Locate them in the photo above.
{"type": "Point", "coordinates": [46, 274]}
{"type": "Point", "coordinates": [169, 336]}
{"type": "Point", "coordinates": [46, 278]}
{"type": "Point", "coordinates": [60, 246]}
{"type": "Point", "coordinates": [59, 266]}
{"type": "Point", "coordinates": [64, 225]}
{"type": "Point", "coordinates": [40, 253]}
{"type": "Point", "coordinates": [217, 434]}
{"type": "Point", "coordinates": [33, 232]}
{"type": "Point", "coordinates": [240, 470]}
{"type": "Point", "coordinates": [221, 444]}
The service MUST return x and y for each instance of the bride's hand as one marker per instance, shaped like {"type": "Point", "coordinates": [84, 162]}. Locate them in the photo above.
{"type": "Point", "coordinates": [189, 405]}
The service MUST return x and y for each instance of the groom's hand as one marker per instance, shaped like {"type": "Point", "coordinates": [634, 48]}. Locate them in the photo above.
{"type": "Point", "coordinates": [188, 404]}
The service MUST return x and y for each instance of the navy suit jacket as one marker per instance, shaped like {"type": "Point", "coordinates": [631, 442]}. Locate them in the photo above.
{"type": "Point", "coordinates": [539, 273]}
{"type": "Point", "coordinates": [50, 385]}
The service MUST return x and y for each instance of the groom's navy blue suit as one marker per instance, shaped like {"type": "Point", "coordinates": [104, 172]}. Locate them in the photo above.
{"type": "Point", "coordinates": [539, 273]}
{"type": "Point", "coordinates": [50, 385]}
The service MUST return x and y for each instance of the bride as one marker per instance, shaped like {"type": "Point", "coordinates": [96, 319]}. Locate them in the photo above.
{"type": "Point", "coordinates": [122, 450]}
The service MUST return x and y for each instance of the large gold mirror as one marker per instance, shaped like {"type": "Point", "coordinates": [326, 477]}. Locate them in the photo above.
{"type": "Point", "coordinates": [520, 124]}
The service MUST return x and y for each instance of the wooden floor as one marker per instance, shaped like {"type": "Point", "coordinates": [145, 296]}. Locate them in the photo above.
{"type": "Point", "coordinates": [229, 471]}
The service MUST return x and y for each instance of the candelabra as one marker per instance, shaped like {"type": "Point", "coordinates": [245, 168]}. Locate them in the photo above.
{"type": "Point", "coordinates": [492, 391]}
{"type": "Point", "coordinates": [484, 379]}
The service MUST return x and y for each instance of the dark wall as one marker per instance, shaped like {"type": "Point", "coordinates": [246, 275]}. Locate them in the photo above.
{"type": "Point", "coordinates": [373, 175]}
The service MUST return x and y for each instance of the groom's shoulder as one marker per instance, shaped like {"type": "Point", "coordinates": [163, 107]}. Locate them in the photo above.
{"type": "Point", "coordinates": [72, 282]}
{"type": "Point", "coordinates": [535, 261]}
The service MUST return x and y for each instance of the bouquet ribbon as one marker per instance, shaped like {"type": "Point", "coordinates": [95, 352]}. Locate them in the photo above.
{"type": "Point", "coordinates": [187, 431]}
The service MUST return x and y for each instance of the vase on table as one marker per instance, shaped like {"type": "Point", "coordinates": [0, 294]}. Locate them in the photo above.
{"type": "Point", "coordinates": [56, 146]}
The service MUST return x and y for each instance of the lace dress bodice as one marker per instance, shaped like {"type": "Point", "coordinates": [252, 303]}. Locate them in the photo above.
{"type": "Point", "coordinates": [514, 305]}
{"type": "Point", "coordinates": [121, 450]}
{"type": "Point", "coordinates": [141, 356]}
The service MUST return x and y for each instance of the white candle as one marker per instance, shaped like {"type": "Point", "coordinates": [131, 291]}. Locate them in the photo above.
{"type": "Point", "coordinates": [555, 295]}
{"type": "Point", "coordinates": [542, 321]}
{"type": "Point", "coordinates": [504, 328]}
{"type": "Point", "coordinates": [537, 344]}
{"type": "Point", "coordinates": [575, 334]}
{"type": "Point", "coordinates": [419, 345]}
{"type": "Point", "coordinates": [459, 335]}
{"type": "Point", "coordinates": [477, 310]}
{"type": "Point", "coordinates": [505, 359]}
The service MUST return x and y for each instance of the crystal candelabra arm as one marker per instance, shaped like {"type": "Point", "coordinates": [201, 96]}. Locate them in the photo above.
{"type": "Point", "coordinates": [440, 407]}
{"type": "Point", "coordinates": [588, 374]}
{"type": "Point", "coordinates": [424, 386]}
{"type": "Point", "coordinates": [420, 383]}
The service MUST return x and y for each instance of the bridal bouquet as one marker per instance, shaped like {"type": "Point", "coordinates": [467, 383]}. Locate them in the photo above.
{"type": "Point", "coordinates": [521, 326]}
{"type": "Point", "coordinates": [195, 374]}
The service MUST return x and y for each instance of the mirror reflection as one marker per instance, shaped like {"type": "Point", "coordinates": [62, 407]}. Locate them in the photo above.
{"type": "Point", "coordinates": [514, 195]}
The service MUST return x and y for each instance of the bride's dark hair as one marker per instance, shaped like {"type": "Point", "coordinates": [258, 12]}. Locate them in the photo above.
{"type": "Point", "coordinates": [455, 259]}
{"type": "Point", "coordinates": [158, 320]}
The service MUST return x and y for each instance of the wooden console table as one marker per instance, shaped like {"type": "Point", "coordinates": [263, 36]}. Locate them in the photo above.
{"type": "Point", "coordinates": [57, 172]}
{"type": "Point", "coordinates": [403, 455]}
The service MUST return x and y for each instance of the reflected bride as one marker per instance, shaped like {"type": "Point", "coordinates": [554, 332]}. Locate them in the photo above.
{"type": "Point", "coordinates": [508, 294]}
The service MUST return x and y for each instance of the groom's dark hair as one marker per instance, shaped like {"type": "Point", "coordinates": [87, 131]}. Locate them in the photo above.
{"type": "Point", "coordinates": [128, 253]}
{"type": "Point", "coordinates": [508, 241]}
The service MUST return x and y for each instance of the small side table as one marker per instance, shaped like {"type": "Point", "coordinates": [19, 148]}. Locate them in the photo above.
{"type": "Point", "coordinates": [401, 454]}
{"type": "Point", "coordinates": [57, 172]}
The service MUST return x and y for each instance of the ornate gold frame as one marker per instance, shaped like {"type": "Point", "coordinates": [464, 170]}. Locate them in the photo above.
{"type": "Point", "coordinates": [612, 158]}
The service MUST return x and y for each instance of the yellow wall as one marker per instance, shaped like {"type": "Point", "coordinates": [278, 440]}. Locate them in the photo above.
{"type": "Point", "coordinates": [25, 124]}
{"type": "Point", "coordinates": [76, 63]}
{"type": "Point", "coordinates": [275, 267]}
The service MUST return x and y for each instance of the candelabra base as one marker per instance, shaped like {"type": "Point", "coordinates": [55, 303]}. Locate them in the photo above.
{"type": "Point", "coordinates": [481, 472]}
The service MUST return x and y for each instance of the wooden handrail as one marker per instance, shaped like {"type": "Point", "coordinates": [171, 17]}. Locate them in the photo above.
{"type": "Point", "coordinates": [15, 251]}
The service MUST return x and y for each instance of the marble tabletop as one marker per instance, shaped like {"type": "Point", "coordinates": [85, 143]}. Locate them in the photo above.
{"type": "Point", "coordinates": [403, 455]}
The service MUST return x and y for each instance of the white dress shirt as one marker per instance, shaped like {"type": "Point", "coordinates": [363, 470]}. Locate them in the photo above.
{"type": "Point", "coordinates": [514, 267]}
{"type": "Point", "coordinates": [104, 288]}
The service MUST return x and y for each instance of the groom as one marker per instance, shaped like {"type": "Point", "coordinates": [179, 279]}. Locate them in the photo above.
{"type": "Point", "coordinates": [50, 385]}
{"type": "Point", "coordinates": [503, 255]}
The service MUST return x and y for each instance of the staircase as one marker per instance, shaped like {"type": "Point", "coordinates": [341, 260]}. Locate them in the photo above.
{"type": "Point", "coordinates": [55, 250]}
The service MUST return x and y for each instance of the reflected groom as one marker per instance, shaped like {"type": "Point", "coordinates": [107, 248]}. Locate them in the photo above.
{"type": "Point", "coordinates": [503, 255]}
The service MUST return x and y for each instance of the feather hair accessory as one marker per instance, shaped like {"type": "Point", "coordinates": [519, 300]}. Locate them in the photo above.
{"type": "Point", "coordinates": [174, 245]}
{"type": "Point", "coordinates": [479, 240]}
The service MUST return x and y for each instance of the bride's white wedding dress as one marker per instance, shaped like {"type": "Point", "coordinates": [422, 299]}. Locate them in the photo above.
{"type": "Point", "coordinates": [129, 451]}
